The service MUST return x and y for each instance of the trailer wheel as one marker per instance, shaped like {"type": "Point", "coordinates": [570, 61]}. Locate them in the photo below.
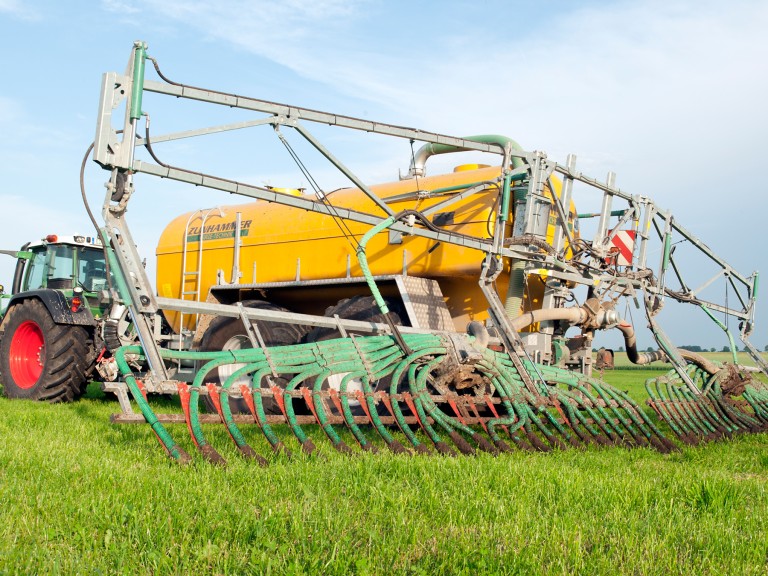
{"type": "Point", "coordinates": [364, 309]}
{"type": "Point", "coordinates": [229, 334]}
{"type": "Point", "coordinates": [42, 360]}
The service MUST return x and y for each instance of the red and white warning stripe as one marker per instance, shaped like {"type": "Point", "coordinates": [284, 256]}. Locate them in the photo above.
{"type": "Point", "coordinates": [623, 247]}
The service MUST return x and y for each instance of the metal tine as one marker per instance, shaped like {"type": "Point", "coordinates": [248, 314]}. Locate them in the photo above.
{"type": "Point", "coordinates": [395, 446]}
{"type": "Point", "coordinates": [394, 407]}
{"type": "Point", "coordinates": [646, 425]}
{"type": "Point", "coordinates": [631, 423]}
{"type": "Point", "coordinates": [624, 427]}
{"type": "Point", "coordinates": [657, 402]}
{"type": "Point", "coordinates": [599, 415]}
{"type": "Point", "coordinates": [685, 433]}
{"type": "Point", "coordinates": [460, 408]}
{"type": "Point", "coordinates": [571, 419]}
{"type": "Point", "coordinates": [220, 397]}
{"type": "Point", "coordinates": [307, 446]}
{"type": "Point", "coordinates": [515, 419]}
{"type": "Point", "coordinates": [704, 430]}
{"type": "Point", "coordinates": [415, 404]}
{"type": "Point", "coordinates": [254, 400]}
{"type": "Point", "coordinates": [256, 407]}
{"type": "Point", "coordinates": [595, 434]}
{"type": "Point", "coordinates": [315, 404]}
{"type": "Point", "coordinates": [189, 396]}
{"type": "Point", "coordinates": [421, 394]}
{"type": "Point", "coordinates": [554, 402]}
{"type": "Point", "coordinates": [215, 393]}
{"type": "Point", "coordinates": [139, 395]}
{"type": "Point", "coordinates": [349, 419]}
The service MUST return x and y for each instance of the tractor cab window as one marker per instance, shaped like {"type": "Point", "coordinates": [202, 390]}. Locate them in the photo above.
{"type": "Point", "coordinates": [61, 266]}
{"type": "Point", "coordinates": [51, 267]}
{"type": "Point", "coordinates": [36, 270]}
{"type": "Point", "coordinates": [92, 271]}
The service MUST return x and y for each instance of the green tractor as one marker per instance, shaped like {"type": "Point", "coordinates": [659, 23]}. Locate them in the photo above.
{"type": "Point", "coordinates": [52, 323]}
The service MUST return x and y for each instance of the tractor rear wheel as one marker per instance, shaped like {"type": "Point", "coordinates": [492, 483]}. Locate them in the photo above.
{"type": "Point", "coordinates": [226, 333]}
{"type": "Point", "coordinates": [42, 360]}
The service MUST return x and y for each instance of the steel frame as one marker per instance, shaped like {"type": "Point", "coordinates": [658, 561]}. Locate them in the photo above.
{"type": "Point", "coordinates": [116, 152]}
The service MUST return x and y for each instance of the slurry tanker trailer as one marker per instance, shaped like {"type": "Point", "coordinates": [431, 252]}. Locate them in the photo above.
{"type": "Point", "coordinates": [446, 312]}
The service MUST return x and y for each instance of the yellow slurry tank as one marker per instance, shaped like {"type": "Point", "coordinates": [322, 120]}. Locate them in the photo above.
{"type": "Point", "coordinates": [282, 244]}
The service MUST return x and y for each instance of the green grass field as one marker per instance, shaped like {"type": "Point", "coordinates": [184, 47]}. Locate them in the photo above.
{"type": "Point", "coordinates": [83, 496]}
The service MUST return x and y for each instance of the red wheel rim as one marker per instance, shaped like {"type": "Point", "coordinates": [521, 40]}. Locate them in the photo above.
{"type": "Point", "coordinates": [26, 354]}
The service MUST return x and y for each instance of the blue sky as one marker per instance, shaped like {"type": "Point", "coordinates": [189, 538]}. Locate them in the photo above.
{"type": "Point", "coordinates": [668, 94]}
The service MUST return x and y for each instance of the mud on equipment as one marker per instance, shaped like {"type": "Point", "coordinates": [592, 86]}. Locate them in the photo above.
{"type": "Point", "coordinates": [438, 313]}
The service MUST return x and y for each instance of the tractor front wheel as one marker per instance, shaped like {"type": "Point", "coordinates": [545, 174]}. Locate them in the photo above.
{"type": "Point", "coordinates": [39, 359]}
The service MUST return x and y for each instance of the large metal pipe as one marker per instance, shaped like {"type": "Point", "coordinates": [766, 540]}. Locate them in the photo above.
{"type": "Point", "coordinates": [642, 358]}
{"type": "Point", "coordinates": [571, 315]}
{"type": "Point", "coordinates": [630, 342]}
{"type": "Point", "coordinates": [421, 156]}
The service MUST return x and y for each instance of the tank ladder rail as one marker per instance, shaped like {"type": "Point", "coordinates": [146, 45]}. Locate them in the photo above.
{"type": "Point", "coordinates": [194, 275]}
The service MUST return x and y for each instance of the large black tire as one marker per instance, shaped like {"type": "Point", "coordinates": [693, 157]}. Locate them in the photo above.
{"type": "Point", "coordinates": [229, 334]}
{"type": "Point", "coordinates": [42, 360]}
{"type": "Point", "coordinates": [364, 309]}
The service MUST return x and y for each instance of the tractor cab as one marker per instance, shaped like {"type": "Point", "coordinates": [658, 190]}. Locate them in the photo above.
{"type": "Point", "coordinates": [67, 264]}
{"type": "Point", "coordinates": [62, 263]}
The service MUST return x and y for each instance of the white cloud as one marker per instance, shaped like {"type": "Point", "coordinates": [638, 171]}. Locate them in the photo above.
{"type": "Point", "coordinates": [261, 26]}
{"type": "Point", "coordinates": [19, 10]}
{"type": "Point", "coordinates": [9, 110]}
{"type": "Point", "coordinates": [121, 6]}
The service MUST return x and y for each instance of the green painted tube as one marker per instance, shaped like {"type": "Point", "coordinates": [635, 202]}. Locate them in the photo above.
{"type": "Point", "coordinates": [194, 393]}
{"type": "Point", "coordinates": [665, 383]}
{"type": "Point", "coordinates": [229, 421]}
{"type": "Point", "coordinates": [755, 285]}
{"type": "Point", "coordinates": [114, 266]}
{"type": "Point", "coordinates": [502, 141]}
{"type": "Point", "coordinates": [635, 425]}
{"type": "Point", "coordinates": [661, 406]}
{"type": "Point", "coordinates": [701, 413]}
{"type": "Point", "coordinates": [137, 90]}
{"type": "Point", "coordinates": [373, 411]}
{"type": "Point", "coordinates": [694, 423]}
{"type": "Point", "coordinates": [346, 410]}
{"type": "Point", "coordinates": [160, 432]}
{"type": "Point", "coordinates": [363, 261]}
{"type": "Point", "coordinates": [502, 380]}
{"type": "Point", "coordinates": [431, 432]}
{"type": "Point", "coordinates": [322, 418]}
{"type": "Point", "coordinates": [667, 252]}
{"type": "Point", "coordinates": [577, 414]}
{"type": "Point", "coordinates": [505, 196]}
{"type": "Point", "coordinates": [261, 416]}
{"type": "Point", "coordinates": [674, 405]}
{"type": "Point", "coordinates": [447, 423]}
{"type": "Point", "coordinates": [640, 413]}
{"type": "Point", "coordinates": [397, 376]}
{"type": "Point", "coordinates": [734, 351]}
{"type": "Point", "coordinates": [290, 413]}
